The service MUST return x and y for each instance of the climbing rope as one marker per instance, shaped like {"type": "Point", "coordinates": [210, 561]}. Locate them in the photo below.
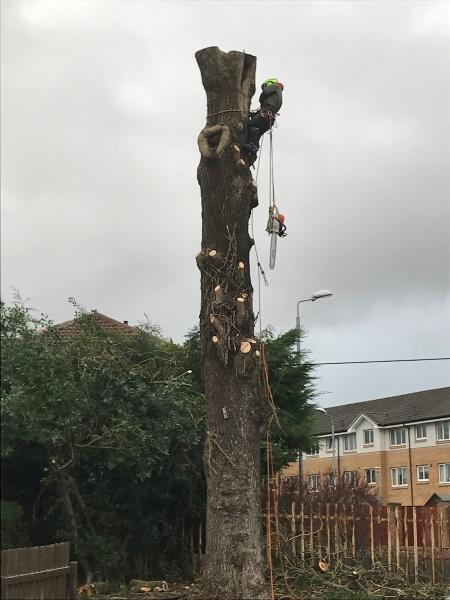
{"type": "Point", "coordinates": [222, 112]}
{"type": "Point", "coordinates": [261, 273]}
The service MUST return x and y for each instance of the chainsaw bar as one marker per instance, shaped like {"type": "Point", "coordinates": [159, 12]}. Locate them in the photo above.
{"type": "Point", "coordinates": [273, 250]}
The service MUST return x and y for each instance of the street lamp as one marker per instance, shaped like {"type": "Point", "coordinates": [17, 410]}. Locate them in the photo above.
{"type": "Point", "coordinates": [333, 441]}
{"type": "Point", "coordinates": [316, 296]}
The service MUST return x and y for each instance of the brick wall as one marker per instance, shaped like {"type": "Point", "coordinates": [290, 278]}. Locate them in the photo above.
{"type": "Point", "coordinates": [384, 461]}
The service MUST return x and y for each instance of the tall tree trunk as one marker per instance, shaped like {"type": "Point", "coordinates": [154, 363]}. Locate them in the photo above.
{"type": "Point", "coordinates": [236, 412]}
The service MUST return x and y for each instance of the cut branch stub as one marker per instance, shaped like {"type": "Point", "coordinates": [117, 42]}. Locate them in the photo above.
{"type": "Point", "coordinates": [246, 347]}
{"type": "Point", "coordinates": [240, 164]}
{"type": "Point", "coordinates": [215, 339]}
{"type": "Point", "coordinates": [241, 265]}
{"type": "Point", "coordinates": [219, 295]}
{"type": "Point", "coordinates": [207, 256]}
{"type": "Point", "coordinates": [236, 152]}
{"type": "Point", "coordinates": [217, 325]}
{"type": "Point", "coordinates": [240, 311]}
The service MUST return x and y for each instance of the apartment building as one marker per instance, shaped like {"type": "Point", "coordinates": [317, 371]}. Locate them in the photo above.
{"type": "Point", "coordinates": [400, 445]}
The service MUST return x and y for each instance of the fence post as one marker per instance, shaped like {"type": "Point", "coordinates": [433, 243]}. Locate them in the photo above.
{"type": "Point", "coordinates": [4, 590]}
{"type": "Point", "coordinates": [416, 556]}
{"type": "Point", "coordinates": [293, 527]}
{"type": "Point", "coordinates": [405, 524]}
{"type": "Point", "coordinates": [433, 573]}
{"type": "Point", "coordinates": [372, 541]}
{"type": "Point", "coordinates": [389, 536]}
{"type": "Point", "coordinates": [200, 543]}
{"type": "Point", "coordinates": [328, 533]}
{"type": "Point", "coordinates": [302, 538]}
{"type": "Point", "coordinates": [441, 542]}
{"type": "Point", "coordinates": [73, 576]}
{"type": "Point", "coordinates": [353, 531]}
{"type": "Point", "coordinates": [337, 545]}
{"type": "Point", "coordinates": [397, 538]}
{"type": "Point", "coordinates": [345, 530]}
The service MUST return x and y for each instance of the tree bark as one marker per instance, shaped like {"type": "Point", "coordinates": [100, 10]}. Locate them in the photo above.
{"type": "Point", "coordinates": [234, 567]}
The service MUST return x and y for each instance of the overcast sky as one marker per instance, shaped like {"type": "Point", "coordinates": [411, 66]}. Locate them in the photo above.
{"type": "Point", "coordinates": [101, 106]}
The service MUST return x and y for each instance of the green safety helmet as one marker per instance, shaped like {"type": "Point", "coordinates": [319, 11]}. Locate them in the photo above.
{"type": "Point", "coordinates": [271, 81]}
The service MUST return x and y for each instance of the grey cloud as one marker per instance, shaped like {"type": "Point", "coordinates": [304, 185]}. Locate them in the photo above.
{"type": "Point", "coordinates": [101, 107]}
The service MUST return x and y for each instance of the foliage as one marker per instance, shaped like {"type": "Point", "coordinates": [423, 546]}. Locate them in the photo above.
{"type": "Point", "coordinates": [14, 533]}
{"type": "Point", "coordinates": [102, 437]}
{"type": "Point", "coordinates": [332, 489]}
{"type": "Point", "coordinates": [292, 384]}
{"type": "Point", "coordinates": [107, 433]}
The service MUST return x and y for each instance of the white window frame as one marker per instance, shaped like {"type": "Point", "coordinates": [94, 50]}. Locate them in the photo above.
{"type": "Point", "coordinates": [395, 472]}
{"type": "Point", "coordinates": [368, 431]}
{"type": "Point", "coordinates": [442, 430]}
{"type": "Point", "coordinates": [350, 478]}
{"type": "Point", "coordinates": [421, 437]}
{"type": "Point", "coordinates": [444, 469]}
{"type": "Point", "coordinates": [372, 479]}
{"type": "Point", "coordinates": [347, 438]}
{"type": "Point", "coordinates": [420, 469]}
{"type": "Point", "coordinates": [393, 435]}
{"type": "Point", "coordinates": [315, 477]}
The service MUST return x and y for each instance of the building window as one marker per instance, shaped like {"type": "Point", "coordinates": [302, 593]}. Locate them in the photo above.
{"type": "Point", "coordinates": [443, 431]}
{"type": "Point", "coordinates": [368, 437]}
{"type": "Point", "coordinates": [421, 432]}
{"type": "Point", "coordinates": [350, 442]}
{"type": "Point", "coordinates": [422, 473]}
{"type": "Point", "coordinates": [312, 482]}
{"type": "Point", "coordinates": [351, 478]}
{"type": "Point", "coordinates": [314, 450]}
{"type": "Point", "coordinates": [399, 476]}
{"type": "Point", "coordinates": [444, 473]}
{"type": "Point", "coordinates": [371, 476]}
{"type": "Point", "coordinates": [398, 436]}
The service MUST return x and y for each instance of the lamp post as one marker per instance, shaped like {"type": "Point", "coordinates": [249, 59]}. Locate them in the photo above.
{"type": "Point", "coordinates": [316, 296]}
{"type": "Point", "coordinates": [333, 440]}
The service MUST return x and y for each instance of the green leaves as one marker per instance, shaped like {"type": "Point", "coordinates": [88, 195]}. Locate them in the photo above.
{"type": "Point", "coordinates": [111, 414]}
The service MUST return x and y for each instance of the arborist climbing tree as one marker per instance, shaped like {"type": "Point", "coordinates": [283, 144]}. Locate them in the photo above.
{"type": "Point", "coordinates": [237, 409]}
{"type": "Point", "coordinates": [263, 119]}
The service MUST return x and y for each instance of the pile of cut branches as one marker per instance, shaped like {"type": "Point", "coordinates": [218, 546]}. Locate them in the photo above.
{"type": "Point", "coordinates": [351, 582]}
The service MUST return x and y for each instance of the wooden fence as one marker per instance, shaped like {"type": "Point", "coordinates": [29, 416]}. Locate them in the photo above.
{"type": "Point", "coordinates": [412, 540]}
{"type": "Point", "coordinates": [406, 539]}
{"type": "Point", "coordinates": [39, 573]}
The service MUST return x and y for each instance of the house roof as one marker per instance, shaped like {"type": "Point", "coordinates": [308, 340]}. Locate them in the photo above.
{"type": "Point", "coordinates": [407, 408]}
{"type": "Point", "coordinates": [71, 327]}
{"type": "Point", "coordinates": [438, 497]}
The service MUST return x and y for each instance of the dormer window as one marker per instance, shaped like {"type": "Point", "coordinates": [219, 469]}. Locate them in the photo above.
{"type": "Point", "coordinates": [398, 436]}
{"type": "Point", "coordinates": [368, 437]}
{"type": "Point", "coordinates": [421, 432]}
{"type": "Point", "coordinates": [350, 442]}
{"type": "Point", "coordinates": [443, 431]}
